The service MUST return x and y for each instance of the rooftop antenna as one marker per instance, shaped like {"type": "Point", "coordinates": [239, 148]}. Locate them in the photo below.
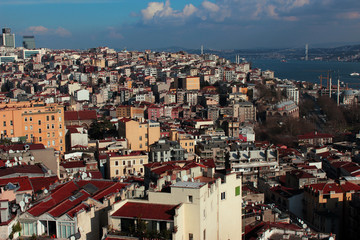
{"type": "Point", "coordinates": [306, 52]}
{"type": "Point", "coordinates": [202, 49]}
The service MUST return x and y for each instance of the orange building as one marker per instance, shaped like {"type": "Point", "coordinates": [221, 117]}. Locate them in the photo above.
{"type": "Point", "coordinates": [36, 122]}
{"type": "Point", "coordinates": [128, 111]}
{"type": "Point", "coordinates": [140, 135]}
{"type": "Point", "coordinates": [191, 83]}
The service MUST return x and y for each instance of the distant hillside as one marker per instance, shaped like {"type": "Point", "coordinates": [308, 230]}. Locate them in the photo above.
{"type": "Point", "coordinates": [343, 53]}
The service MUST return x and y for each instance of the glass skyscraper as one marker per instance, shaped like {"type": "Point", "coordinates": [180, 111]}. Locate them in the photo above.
{"type": "Point", "coordinates": [29, 42]}
{"type": "Point", "coordinates": [7, 38]}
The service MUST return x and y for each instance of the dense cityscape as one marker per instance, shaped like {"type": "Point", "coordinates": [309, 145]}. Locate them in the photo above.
{"type": "Point", "coordinates": [106, 144]}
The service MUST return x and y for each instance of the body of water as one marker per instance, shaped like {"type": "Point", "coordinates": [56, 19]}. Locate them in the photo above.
{"type": "Point", "coordinates": [310, 71]}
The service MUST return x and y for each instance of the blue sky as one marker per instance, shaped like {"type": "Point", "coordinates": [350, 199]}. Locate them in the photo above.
{"type": "Point", "coordinates": [217, 24]}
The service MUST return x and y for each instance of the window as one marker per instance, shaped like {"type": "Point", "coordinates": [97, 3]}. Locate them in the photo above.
{"type": "Point", "coordinates": [31, 127]}
{"type": "Point", "coordinates": [53, 142]}
{"type": "Point", "coordinates": [52, 117]}
{"type": "Point", "coordinates": [4, 123]}
{"type": "Point", "coordinates": [52, 126]}
{"type": "Point", "coordinates": [191, 236]}
{"type": "Point", "coordinates": [141, 161]}
{"type": "Point", "coordinates": [53, 134]}
{"type": "Point", "coordinates": [30, 119]}
{"type": "Point", "coordinates": [59, 119]}
{"type": "Point", "coordinates": [48, 143]}
{"type": "Point", "coordinates": [26, 128]}
{"type": "Point", "coordinates": [39, 122]}
{"type": "Point", "coordinates": [40, 139]}
{"type": "Point", "coordinates": [47, 118]}
{"type": "Point", "coordinates": [39, 130]}
{"type": "Point", "coordinates": [25, 119]}
{"type": "Point", "coordinates": [60, 140]}
{"type": "Point", "coordinates": [47, 126]}
{"type": "Point", "coordinates": [223, 196]}
{"type": "Point", "coordinates": [48, 134]}
{"type": "Point", "coordinates": [204, 234]}
{"type": "Point", "coordinates": [60, 134]}
{"type": "Point", "coordinates": [60, 126]}
{"type": "Point", "coordinates": [28, 229]}
{"type": "Point", "coordinates": [190, 198]}
{"type": "Point", "coordinates": [123, 162]}
{"type": "Point", "coordinates": [66, 229]}
{"type": "Point", "coordinates": [141, 170]}
{"type": "Point", "coordinates": [146, 135]}
{"type": "Point", "coordinates": [116, 172]}
{"type": "Point", "coordinates": [5, 133]}
{"type": "Point", "coordinates": [237, 191]}
{"type": "Point", "coordinates": [11, 123]}
{"type": "Point", "coordinates": [140, 145]}
{"type": "Point", "coordinates": [11, 131]}
{"type": "Point", "coordinates": [134, 161]}
{"type": "Point", "coordinates": [116, 163]}
{"type": "Point", "coordinates": [140, 138]}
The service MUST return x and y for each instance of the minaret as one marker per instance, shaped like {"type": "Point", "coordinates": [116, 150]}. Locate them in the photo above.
{"type": "Point", "coordinates": [306, 52]}
{"type": "Point", "coordinates": [338, 92]}
{"type": "Point", "coordinates": [202, 49]}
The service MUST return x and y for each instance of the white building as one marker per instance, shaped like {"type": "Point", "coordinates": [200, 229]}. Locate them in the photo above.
{"type": "Point", "coordinates": [192, 210]}
{"type": "Point", "coordinates": [82, 95]}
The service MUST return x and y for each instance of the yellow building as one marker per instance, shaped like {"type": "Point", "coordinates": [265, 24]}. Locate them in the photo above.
{"type": "Point", "coordinates": [36, 122]}
{"type": "Point", "coordinates": [140, 135]}
{"type": "Point", "coordinates": [186, 141]}
{"type": "Point", "coordinates": [126, 163]}
{"type": "Point", "coordinates": [191, 83]}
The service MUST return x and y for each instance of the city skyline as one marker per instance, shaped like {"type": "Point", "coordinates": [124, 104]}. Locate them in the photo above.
{"type": "Point", "coordinates": [219, 24]}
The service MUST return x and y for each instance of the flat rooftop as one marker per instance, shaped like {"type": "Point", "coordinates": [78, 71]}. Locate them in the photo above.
{"type": "Point", "coordinates": [188, 184]}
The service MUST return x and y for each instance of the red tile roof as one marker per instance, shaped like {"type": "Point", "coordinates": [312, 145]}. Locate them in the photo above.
{"type": "Point", "coordinates": [146, 211]}
{"type": "Point", "coordinates": [21, 170]}
{"type": "Point", "coordinates": [23, 183]}
{"type": "Point", "coordinates": [73, 164]}
{"type": "Point", "coordinates": [326, 188]}
{"type": "Point", "coordinates": [80, 115]}
{"type": "Point", "coordinates": [40, 183]}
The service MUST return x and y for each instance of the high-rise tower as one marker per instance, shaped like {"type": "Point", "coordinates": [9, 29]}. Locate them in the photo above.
{"type": "Point", "coordinates": [29, 42]}
{"type": "Point", "coordinates": [7, 38]}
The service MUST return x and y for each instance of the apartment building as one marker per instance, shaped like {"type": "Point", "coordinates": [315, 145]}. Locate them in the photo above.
{"type": "Point", "coordinates": [191, 210]}
{"type": "Point", "coordinates": [35, 122]}
{"type": "Point", "coordinates": [140, 135]}
{"type": "Point", "coordinates": [126, 163]}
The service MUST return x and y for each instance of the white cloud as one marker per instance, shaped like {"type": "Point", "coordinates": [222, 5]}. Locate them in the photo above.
{"type": "Point", "coordinates": [158, 10]}
{"type": "Point", "coordinates": [41, 30]}
{"type": "Point", "coordinates": [62, 32]}
{"type": "Point", "coordinates": [37, 29]}
{"type": "Point", "coordinates": [114, 34]}
{"type": "Point", "coordinates": [349, 15]}
{"type": "Point", "coordinates": [212, 7]}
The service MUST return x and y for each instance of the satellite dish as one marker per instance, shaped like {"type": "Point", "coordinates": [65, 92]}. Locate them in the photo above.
{"type": "Point", "coordinates": [26, 200]}
{"type": "Point", "coordinates": [184, 178]}
{"type": "Point", "coordinates": [331, 238]}
{"type": "Point", "coordinates": [46, 191]}
{"type": "Point", "coordinates": [90, 175]}
{"type": "Point", "coordinates": [22, 205]}
{"type": "Point", "coordinates": [20, 158]}
{"type": "Point", "coordinates": [72, 238]}
{"type": "Point", "coordinates": [304, 226]}
{"type": "Point", "coordinates": [11, 151]}
{"type": "Point", "coordinates": [15, 158]}
{"type": "Point", "coordinates": [32, 158]}
{"type": "Point", "coordinates": [8, 162]}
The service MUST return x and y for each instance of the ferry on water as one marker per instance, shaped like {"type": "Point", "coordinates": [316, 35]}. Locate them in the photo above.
{"type": "Point", "coordinates": [354, 74]}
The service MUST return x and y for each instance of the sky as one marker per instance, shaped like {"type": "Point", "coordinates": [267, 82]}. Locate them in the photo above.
{"type": "Point", "coordinates": [215, 24]}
